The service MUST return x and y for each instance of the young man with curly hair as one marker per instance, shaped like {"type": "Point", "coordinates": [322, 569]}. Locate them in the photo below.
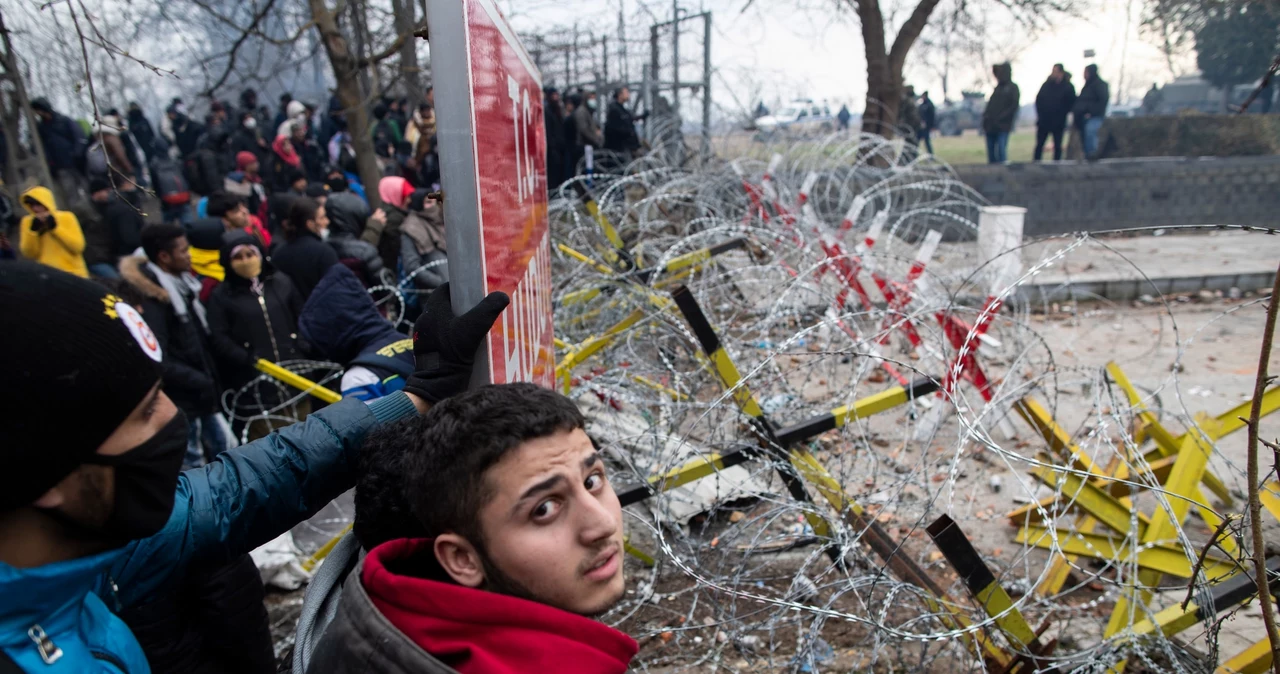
{"type": "Point", "coordinates": [520, 543]}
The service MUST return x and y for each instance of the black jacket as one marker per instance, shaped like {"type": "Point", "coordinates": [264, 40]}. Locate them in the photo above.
{"type": "Point", "coordinates": [620, 129]}
{"type": "Point", "coordinates": [1092, 100]}
{"type": "Point", "coordinates": [553, 119]}
{"type": "Point", "coordinates": [244, 140]}
{"type": "Point", "coordinates": [245, 327]}
{"type": "Point", "coordinates": [928, 114]}
{"type": "Point", "coordinates": [212, 622]}
{"type": "Point", "coordinates": [1002, 109]}
{"type": "Point", "coordinates": [143, 132]}
{"type": "Point", "coordinates": [64, 142]}
{"type": "Point", "coordinates": [188, 372]}
{"type": "Point", "coordinates": [305, 259]}
{"type": "Point", "coordinates": [342, 324]}
{"type": "Point", "coordinates": [187, 135]}
{"type": "Point", "coordinates": [124, 223]}
{"type": "Point", "coordinates": [1054, 102]}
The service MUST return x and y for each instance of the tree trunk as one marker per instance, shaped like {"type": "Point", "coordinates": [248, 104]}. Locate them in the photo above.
{"type": "Point", "coordinates": [15, 107]}
{"type": "Point", "coordinates": [884, 68]}
{"type": "Point", "coordinates": [410, 72]}
{"type": "Point", "coordinates": [347, 74]}
{"type": "Point", "coordinates": [881, 111]}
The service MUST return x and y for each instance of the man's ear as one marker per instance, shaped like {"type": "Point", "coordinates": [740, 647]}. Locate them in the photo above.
{"type": "Point", "coordinates": [459, 559]}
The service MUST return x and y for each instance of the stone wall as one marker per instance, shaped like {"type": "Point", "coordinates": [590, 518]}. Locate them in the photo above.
{"type": "Point", "coordinates": [1110, 194]}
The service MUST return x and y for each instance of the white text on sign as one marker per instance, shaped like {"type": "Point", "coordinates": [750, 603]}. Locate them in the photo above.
{"type": "Point", "coordinates": [526, 321]}
{"type": "Point", "coordinates": [521, 120]}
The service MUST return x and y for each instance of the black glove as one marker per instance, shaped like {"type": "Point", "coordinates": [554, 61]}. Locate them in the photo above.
{"type": "Point", "coordinates": [42, 225]}
{"type": "Point", "coordinates": [444, 345]}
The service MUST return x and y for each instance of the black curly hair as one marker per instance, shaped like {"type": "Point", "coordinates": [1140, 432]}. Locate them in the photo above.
{"type": "Point", "coordinates": [448, 449]}
{"type": "Point", "coordinates": [423, 475]}
{"type": "Point", "coordinates": [382, 510]}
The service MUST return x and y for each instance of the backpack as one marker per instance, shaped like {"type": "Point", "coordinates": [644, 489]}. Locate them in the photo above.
{"type": "Point", "coordinates": [170, 185]}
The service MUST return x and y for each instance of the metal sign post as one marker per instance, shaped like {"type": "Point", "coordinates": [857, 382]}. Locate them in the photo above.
{"type": "Point", "coordinates": [493, 175]}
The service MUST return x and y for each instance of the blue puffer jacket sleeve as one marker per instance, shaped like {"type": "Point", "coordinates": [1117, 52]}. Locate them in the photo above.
{"type": "Point", "coordinates": [255, 492]}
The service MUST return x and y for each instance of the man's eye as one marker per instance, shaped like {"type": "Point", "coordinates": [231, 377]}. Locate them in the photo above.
{"type": "Point", "coordinates": [594, 481]}
{"type": "Point", "coordinates": [546, 510]}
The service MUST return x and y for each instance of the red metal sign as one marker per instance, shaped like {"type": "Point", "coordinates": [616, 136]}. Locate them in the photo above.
{"type": "Point", "coordinates": [509, 151]}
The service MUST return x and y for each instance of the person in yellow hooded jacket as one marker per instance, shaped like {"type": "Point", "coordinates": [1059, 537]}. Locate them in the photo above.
{"type": "Point", "coordinates": [50, 236]}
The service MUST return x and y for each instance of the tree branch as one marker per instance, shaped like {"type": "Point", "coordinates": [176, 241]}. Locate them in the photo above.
{"type": "Point", "coordinates": [392, 48]}
{"type": "Point", "coordinates": [1255, 486]}
{"type": "Point", "coordinates": [908, 33]}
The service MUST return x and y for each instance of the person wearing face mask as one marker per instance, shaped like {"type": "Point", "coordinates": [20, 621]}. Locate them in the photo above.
{"type": "Point", "coordinates": [253, 314]}
{"type": "Point", "coordinates": [305, 256]}
{"type": "Point", "coordinates": [247, 138]}
{"type": "Point", "coordinates": [586, 125]}
{"type": "Point", "coordinates": [96, 517]}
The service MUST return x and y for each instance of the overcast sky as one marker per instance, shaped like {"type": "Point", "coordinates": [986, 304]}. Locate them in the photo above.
{"type": "Point", "coordinates": [818, 53]}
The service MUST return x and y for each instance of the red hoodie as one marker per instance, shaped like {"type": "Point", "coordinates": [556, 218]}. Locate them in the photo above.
{"type": "Point", "coordinates": [479, 632]}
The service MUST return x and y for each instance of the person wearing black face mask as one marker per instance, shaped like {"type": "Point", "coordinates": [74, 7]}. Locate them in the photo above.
{"type": "Point", "coordinates": [94, 516]}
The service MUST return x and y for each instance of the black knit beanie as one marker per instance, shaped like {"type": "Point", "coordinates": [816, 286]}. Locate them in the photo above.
{"type": "Point", "coordinates": [75, 361]}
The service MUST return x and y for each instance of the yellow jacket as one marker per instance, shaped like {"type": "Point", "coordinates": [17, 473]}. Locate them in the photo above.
{"type": "Point", "coordinates": [61, 247]}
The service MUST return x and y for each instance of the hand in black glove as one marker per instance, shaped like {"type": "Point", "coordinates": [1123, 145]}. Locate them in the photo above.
{"type": "Point", "coordinates": [444, 345]}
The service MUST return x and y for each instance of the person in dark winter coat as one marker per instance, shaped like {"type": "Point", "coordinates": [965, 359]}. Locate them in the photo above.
{"type": "Point", "coordinates": [247, 138]}
{"type": "Point", "coordinates": [121, 222]}
{"type": "Point", "coordinates": [346, 224]}
{"type": "Point", "coordinates": [63, 140]}
{"type": "Point", "coordinates": [186, 133]}
{"type": "Point", "coordinates": [572, 150]}
{"type": "Point", "coordinates": [620, 126]}
{"type": "Point", "coordinates": [584, 121]}
{"type": "Point", "coordinates": [1000, 114]}
{"type": "Point", "coordinates": [909, 122]}
{"type": "Point", "coordinates": [1091, 108]}
{"type": "Point", "coordinates": [179, 320]}
{"type": "Point", "coordinates": [553, 119]}
{"type": "Point", "coordinates": [253, 314]}
{"type": "Point", "coordinates": [142, 131]}
{"type": "Point", "coordinates": [1056, 98]}
{"type": "Point", "coordinates": [928, 120]}
{"type": "Point", "coordinates": [342, 324]}
{"type": "Point", "coordinates": [305, 257]}
{"type": "Point", "coordinates": [422, 242]}
{"type": "Point", "coordinates": [469, 594]}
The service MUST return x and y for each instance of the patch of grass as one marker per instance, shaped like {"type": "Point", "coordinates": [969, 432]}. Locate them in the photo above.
{"type": "Point", "coordinates": [971, 148]}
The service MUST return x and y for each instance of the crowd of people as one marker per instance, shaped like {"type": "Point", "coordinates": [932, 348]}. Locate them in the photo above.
{"type": "Point", "coordinates": [124, 540]}
{"type": "Point", "coordinates": [247, 227]}
{"type": "Point", "coordinates": [1055, 102]}
{"type": "Point", "coordinates": [575, 138]}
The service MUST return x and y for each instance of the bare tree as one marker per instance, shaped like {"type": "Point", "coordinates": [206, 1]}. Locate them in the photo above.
{"type": "Point", "coordinates": [410, 71]}
{"type": "Point", "coordinates": [22, 160]}
{"type": "Point", "coordinates": [886, 59]}
{"type": "Point", "coordinates": [347, 67]}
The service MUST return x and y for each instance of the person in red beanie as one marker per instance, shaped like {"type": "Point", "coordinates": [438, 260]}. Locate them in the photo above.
{"type": "Point", "coordinates": [246, 182]}
{"type": "Point", "coordinates": [523, 543]}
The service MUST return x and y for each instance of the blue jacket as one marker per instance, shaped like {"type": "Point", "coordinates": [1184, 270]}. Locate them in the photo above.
{"type": "Point", "coordinates": [246, 497]}
{"type": "Point", "coordinates": [341, 323]}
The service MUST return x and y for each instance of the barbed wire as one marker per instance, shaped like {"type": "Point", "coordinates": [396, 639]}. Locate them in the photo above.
{"type": "Point", "coordinates": [740, 580]}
